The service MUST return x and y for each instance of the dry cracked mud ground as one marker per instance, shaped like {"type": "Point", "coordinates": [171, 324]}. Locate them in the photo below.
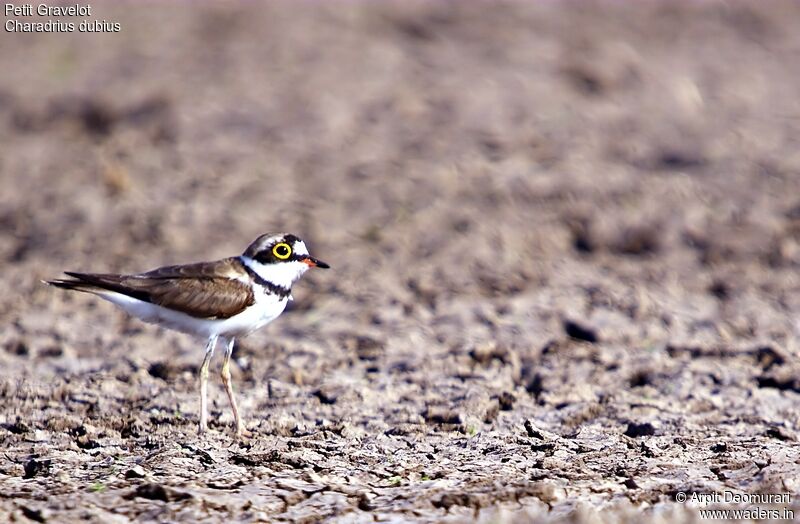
{"type": "Point", "coordinates": [565, 241]}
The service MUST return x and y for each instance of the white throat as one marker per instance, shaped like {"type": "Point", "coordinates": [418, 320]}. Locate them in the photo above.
{"type": "Point", "coordinates": [282, 274]}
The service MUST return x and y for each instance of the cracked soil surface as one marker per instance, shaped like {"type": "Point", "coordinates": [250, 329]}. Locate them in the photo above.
{"type": "Point", "coordinates": [565, 241]}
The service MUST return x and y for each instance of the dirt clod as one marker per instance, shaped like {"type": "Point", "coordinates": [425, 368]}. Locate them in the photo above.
{"type": "Point", "coordinates": [153, 491]}
{"type": "Point", "coordinates": [136, 472]}
{"type": "Point", "coordinates": [580, 331]}
{"type": "Point", "coordinates": [506, 400]}
{"type": "Point", "coordinates": [35, 514]}
{"type": "Point", "coordinates": [35, 467]}
{"type": "Point", "coordinates": [636, 429]}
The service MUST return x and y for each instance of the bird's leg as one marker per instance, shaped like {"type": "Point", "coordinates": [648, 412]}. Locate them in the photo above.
{"type": "Point", "coordinates": [212, 343]}
{"type": "Point", "coordinates": [226, 380]}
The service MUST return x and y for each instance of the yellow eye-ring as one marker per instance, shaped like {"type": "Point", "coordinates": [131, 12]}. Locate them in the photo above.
{"type": "Point", "coordinates": [282, 251]}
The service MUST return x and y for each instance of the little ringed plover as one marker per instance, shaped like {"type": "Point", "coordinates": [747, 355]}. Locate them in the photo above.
{"type": "Point", "coordinates": [218, 300]}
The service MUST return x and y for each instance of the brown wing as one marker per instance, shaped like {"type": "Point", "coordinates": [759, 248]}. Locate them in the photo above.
{"type": "Point", "coordinates": [203, 290]}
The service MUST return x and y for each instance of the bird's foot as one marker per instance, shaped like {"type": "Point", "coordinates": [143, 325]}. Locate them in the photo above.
{"type": "Point", "coordinates": [242, 433]}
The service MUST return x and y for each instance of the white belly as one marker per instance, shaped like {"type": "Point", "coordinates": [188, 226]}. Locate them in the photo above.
{"type": "Point", "coordinates": [266, 309]}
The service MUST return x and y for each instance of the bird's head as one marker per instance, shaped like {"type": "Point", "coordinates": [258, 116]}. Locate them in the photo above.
{"type": "Point", "coordinates": [280, 258]}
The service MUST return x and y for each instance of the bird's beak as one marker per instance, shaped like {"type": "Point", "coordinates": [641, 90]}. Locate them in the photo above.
{"type": "Point", "coordinates": [313, 262]}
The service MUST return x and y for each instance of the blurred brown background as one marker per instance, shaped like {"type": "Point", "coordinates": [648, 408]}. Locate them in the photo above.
{"type": "Point", "coordinates": [564, 239]}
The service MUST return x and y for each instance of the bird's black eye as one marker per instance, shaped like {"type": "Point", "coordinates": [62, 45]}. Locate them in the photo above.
{"type": "Point", "coordinates": [282, 251]}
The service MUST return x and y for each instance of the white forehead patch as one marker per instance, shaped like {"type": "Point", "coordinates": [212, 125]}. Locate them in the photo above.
{"type": "Point", "coordinates": [300, 248]}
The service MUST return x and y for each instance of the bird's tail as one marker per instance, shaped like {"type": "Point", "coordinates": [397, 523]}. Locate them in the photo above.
{"type": "Point", "coordinates": [78, 282]}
